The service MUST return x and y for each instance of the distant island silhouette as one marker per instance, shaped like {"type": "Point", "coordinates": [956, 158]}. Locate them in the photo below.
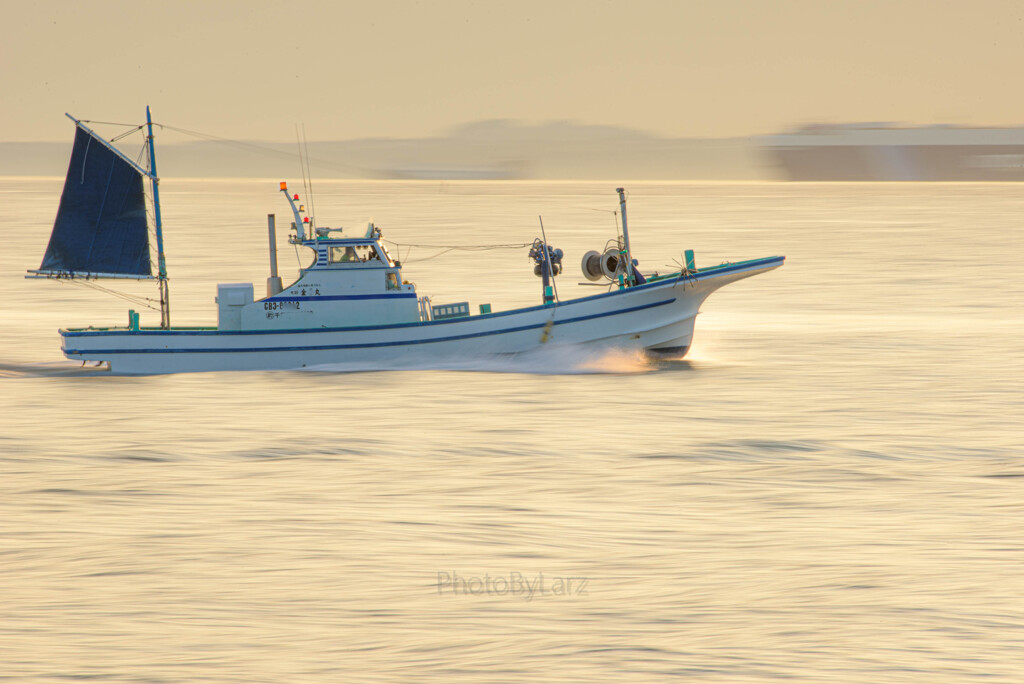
{"type": "Point", "coordinates": [485, 150]}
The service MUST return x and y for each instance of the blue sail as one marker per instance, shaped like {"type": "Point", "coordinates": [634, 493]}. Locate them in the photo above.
{"type": "Point", "coordinates": [101, 227]}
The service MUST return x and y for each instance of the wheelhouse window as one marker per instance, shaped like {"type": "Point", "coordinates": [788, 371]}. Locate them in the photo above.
{"type": "Point", "coordinates": [392, 280]}
{"type": "Point", "coordinates": [342, 255]}
{"type": "Point", "coordinates": [353, 254]}
{"type": "Point", "coordinates": [387, 254]}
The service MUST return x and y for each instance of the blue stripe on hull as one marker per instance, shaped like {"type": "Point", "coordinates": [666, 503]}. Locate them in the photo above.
{"type": "Point", "coordinates": [365, 345]}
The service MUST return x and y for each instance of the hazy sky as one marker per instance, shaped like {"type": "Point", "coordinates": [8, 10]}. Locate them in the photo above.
{"type": "Point", "coordinates": [253, 69]}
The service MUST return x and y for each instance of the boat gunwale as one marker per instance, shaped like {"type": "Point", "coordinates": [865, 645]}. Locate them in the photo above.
{"type": "Point", "coordinates": [374, 344]}
{"type": "Point", "coordinates": [669, 280]}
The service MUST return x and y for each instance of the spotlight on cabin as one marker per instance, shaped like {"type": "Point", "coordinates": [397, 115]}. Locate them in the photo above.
{"type": "Point", "coordinates": [542, 253]}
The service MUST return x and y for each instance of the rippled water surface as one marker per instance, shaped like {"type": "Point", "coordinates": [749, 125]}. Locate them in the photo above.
{"type": "Point", "coordinates": [829, 488]}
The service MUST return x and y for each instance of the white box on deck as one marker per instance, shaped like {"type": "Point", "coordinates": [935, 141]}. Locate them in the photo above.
{"type": "Point", "coordinates": [231, 299]}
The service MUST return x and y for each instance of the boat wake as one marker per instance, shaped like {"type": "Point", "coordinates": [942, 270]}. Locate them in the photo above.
{"type": "Point", "coordinates": [552, 359]}
{"type": "Point", "coordinates": [549, 360]}
{"type": "Point", "coordinates": [62, 369]}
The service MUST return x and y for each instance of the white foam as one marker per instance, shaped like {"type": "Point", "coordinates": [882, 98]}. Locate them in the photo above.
{"type": "Point", "coordinates": [553, 359]}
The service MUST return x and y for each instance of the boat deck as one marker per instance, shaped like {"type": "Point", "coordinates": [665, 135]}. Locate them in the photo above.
{"type": "Point", "coordinates": [653, 280]}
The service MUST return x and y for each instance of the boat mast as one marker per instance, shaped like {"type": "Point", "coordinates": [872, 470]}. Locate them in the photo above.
{"type": "Point", "coordinates": [165, 296]}
{"type": "Point", "coordinates": [630, 279]}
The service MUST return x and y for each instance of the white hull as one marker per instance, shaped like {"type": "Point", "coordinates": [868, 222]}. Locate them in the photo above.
{"type": "Point", "coordinates": [658, 315]}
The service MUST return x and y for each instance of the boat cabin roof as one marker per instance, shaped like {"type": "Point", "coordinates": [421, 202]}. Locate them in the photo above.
{"type": "Point", "coordinates": [313, 242]}
{"type": "Point", "coordinates": [360, 252]}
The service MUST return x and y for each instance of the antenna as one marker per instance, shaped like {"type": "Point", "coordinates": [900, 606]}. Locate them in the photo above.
{"type": "Point", "coordinates": [307, 177]}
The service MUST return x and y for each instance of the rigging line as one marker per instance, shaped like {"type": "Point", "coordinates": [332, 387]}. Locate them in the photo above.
{"type": "Point", "coordinates": [134, 299]}
{"type": "Point", "coordinates": [443, 251]}
{"type": "Point", "coordinates": [123, 295]}
{"type": "Point", "coordinates": [432, 256]}
{"type": "Point", "coordinates": [468, 248]}
{"type": "Point", "coordinates": [613, 212]}
{"type": "Point", "coordinates": [109, 123]}
{"type": "Point", "coordinates": [228, 141]}
{"type": "Point", "coordinates": [143, 153]}
{"type": "Point", "coordinates": [126, 134]}
{"type": "Point", "coordinates": [242, 144]}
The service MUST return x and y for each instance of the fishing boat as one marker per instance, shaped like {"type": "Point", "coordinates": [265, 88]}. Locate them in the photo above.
{"type": "Point", "coordinates": [351, 304]}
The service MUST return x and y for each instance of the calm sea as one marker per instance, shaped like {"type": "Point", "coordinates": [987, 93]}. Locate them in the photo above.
{"type": "Point", "coordinates": [830, 487]}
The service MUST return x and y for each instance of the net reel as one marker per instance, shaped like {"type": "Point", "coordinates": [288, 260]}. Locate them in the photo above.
{"type": "Point", "coordinates": [597, 265]}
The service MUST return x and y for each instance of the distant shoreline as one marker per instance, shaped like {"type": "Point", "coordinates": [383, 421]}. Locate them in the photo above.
{"type": "Point", "coordinates": [497, 150]}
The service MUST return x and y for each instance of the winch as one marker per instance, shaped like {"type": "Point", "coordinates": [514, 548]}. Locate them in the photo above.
{"type": "Point", "coordinates": [547, 263]}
